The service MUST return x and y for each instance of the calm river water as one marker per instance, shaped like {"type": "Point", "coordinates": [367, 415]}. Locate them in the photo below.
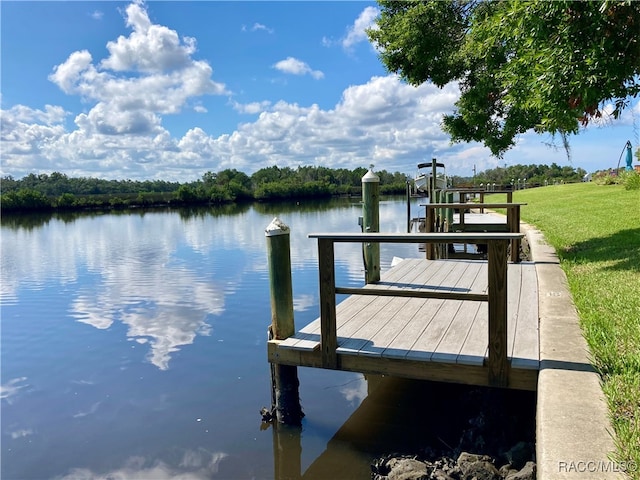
{"type": "Point", "coordinates": [133, 345]}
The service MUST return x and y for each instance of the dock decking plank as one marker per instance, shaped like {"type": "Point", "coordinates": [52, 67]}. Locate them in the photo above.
{"type": "Point", "coordinates": [452, 343]}
{"type": "Point", "coordinates": [463, 278]}
{"type": "Point", "coordinates": [369, 339]}
{"type": "Point", "coordinates": [475, 347]}
{"type": "Point", "coordinates": [308, 338]}
{"type": "Point", "coordinates": [447, 278]}
{"type": "Point", "coordinates": [526, 346]}
{"type": "Point", "coordinates": [426, 343]}
{"type": "Point", "coordinates": [514, 282]}
{"type": "Point", "coordinates": [415, 326]}
{"type": "Point", "coordinates": [396, 325]}
{"type": "Point", "coordinates": [363, 342]}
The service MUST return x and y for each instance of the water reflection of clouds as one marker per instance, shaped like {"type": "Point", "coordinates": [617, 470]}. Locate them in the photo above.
{"type": "Point", "coordinates": [11, 389]}
{"type": "Point", "coordinates": [93, 409]}
{"type": "Point", "coordinates": [166, 306]}
{"type": "Point", "coordinates": [142, 279]}
{"type": "Point", "coordinates": [302, 303]}
{"type": "Point", "coordinates": [197, 464]}
{"type": "Point", "coordinates": [47, 254]}
{"type": "Point", "coordinates": [247, 231]}
{"type": "Point", "coordinates": [355, 392]}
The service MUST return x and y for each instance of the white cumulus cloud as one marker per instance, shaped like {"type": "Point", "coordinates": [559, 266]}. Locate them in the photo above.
{"type": "Point", "coordinates": [149, 73]}
{"type": "Point", "coordinates": [149, 48]}
{"type": "Point", "coordinates": [356, 33]}
{"type": "Point", "coordinates": [384, 120]}
{"type": "Point", "coordinates": [294, 66]}
{"type": "Point", "coordinates": [259, 26]}
{"type": "Point", "coordinates": [251, 108]}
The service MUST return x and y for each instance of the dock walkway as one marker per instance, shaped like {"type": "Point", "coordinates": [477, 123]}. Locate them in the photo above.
{"type": "Point", "coordinates": [444, 334]}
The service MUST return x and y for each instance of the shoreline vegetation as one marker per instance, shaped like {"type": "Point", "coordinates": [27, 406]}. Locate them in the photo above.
{"type": "Point", "coordinates": [595, 229]}
{"type": "Point", "coordinates": [58, 192]}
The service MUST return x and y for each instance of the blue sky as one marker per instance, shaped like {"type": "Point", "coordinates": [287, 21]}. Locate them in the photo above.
{"type": "Point", "coordinates": [170, 90]}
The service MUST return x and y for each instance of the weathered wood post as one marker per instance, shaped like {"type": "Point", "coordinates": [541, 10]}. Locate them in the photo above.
{"type": "Point", "coordinates": [328, 328]}
{"type": "Point", "coordinates": [449, 214]}
{"type": "Point", "coordinates": [284, 378]}
{"type": "Point", "coordinates": [513, 222]}
{"type": "Point", "coordinates": [371, 224]}
{"type": "Point", "coordinates": [498, 363]}
{"type": "Point", "coordinates": [449, 211]}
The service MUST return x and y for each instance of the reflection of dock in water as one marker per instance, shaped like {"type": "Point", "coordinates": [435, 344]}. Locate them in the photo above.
{"type": "Point", "coordinates": [407, 414]}
{"type": "Point", "coordinates": [395, 412]}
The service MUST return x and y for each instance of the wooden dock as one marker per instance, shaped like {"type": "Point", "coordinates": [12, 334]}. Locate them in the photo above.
{"type": "Point", "coordinates": [463, 321]}
{"type": "Point", "coordinates": [481, 222]}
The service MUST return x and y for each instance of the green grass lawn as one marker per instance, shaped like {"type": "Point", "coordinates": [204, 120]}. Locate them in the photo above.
{"type": "Point", "coordinates": [595, 229]}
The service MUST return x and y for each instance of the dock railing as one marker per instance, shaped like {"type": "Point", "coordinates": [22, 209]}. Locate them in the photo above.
{"type": "Point", "coordinates": [496, 296]}
{"type": "Point", "coordinates": [512, 225]}
{"type": "Point", "coordinates": [468, 193]}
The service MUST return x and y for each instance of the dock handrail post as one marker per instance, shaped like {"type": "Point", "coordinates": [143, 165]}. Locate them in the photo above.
{"type": "Point", "coordinates": [284, 378]}
{"type": "Point", "coordinates": [449, 214]}
{"type": "Point", "coordinates": [513, 221]}
{"type": "Point", "coordinates": [430, 228]}
{"type": "Point", "coordinates": [327, 280]}
{"type": "Point", "coordinates": [449, 211]}
{"type": "Point", "coordinates": [498, 363]}
{"type": "Point", "coordinates": [371, 224]}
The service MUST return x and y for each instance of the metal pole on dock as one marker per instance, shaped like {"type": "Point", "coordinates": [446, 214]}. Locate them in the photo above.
{"type": "Point", "coordinates": [284, 378]}
{"type": "Point", "coordinates": [434, 172]}
{"type": "Point", "coordinates": [408, 207]}
{"type": "Point", "coordinates": [371, 224]}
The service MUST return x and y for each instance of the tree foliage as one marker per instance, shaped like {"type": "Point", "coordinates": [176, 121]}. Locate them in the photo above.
{"type": "Point", "coordinates": [26, 199]}
{"type": "Point", "coordinates": [547, 66]}
{"type": "Point", "coordinates": [530, 175]}
{"type": "Point", "coordinates": [43, 191]}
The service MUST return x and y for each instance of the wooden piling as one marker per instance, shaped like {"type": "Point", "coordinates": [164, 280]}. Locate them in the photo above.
{"type": "Point", "coordinates": [449, 211]}
{"type": "Point", "coordinates": [284, 378]}
{"type": "Point", "coordinates": [371, 224]}
{"type": "Point", "coordinates": [430, 228]}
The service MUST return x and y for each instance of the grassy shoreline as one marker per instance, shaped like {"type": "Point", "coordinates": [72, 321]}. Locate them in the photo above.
{"type": "Point", "coordinates": [595, 231]}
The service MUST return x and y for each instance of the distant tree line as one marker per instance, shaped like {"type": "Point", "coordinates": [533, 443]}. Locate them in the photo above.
{"type": "Point", "coordinates": [37, 192]}
{"type": "Point", "coordinates": [41, 192]}
{"type": "Point", "coordinates": [532, 175]}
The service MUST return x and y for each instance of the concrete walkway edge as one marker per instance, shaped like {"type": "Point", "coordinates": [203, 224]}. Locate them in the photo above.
{"type": "Point", "coordinates": [574, 437]}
